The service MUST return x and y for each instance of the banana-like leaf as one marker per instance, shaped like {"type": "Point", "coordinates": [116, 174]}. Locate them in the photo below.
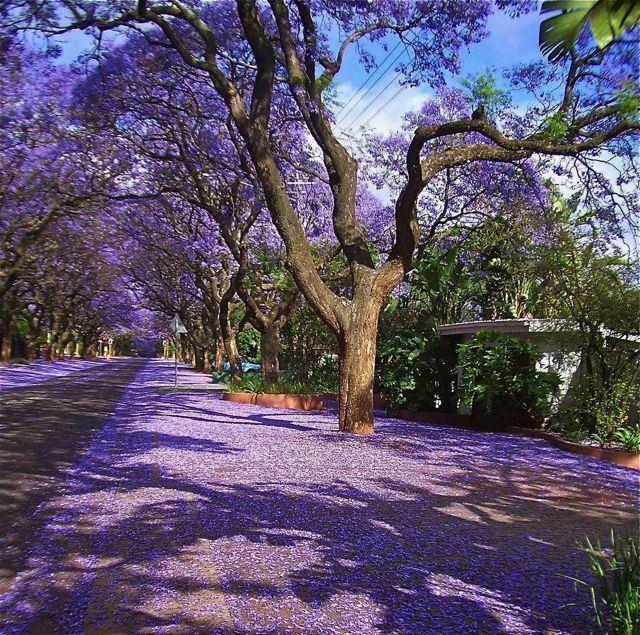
{"type": "Point", "coordinates": [559, 33]}
{"type": "Point", "coordinates": [611, 18]}
{"type": "Point", "coordinates": [608, 20]}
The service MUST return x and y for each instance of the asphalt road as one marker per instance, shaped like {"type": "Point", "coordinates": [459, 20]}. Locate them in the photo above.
{"type": "Point", "coordinates": [44, 429]}
{"type": "Point", "coordinates": [184, 513]}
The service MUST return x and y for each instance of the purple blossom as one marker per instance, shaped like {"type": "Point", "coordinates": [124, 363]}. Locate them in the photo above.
{"type": "Point", "coordinates": [190, 510]}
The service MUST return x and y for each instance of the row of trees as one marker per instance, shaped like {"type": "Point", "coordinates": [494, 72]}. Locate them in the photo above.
{"type": "Point", "coordinates": [58, 284]}
{"type": "Point", "coordinates": [228, 194]}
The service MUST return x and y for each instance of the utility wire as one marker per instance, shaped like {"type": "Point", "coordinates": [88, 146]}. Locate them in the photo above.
{"type": "Point", "coordinates": [374, 100]}
{"type": "Point", "coordinates": [341, 122]}
{"type": "Point", "coordinates": [386, 70]}
{"type": "Point", "coordinates": [386, 103]}
{"type": "Point", "coordinates": [370, 77]}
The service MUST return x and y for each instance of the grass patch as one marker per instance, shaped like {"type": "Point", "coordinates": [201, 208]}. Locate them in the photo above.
{"type": "Point", "coordinates": [615, 596]}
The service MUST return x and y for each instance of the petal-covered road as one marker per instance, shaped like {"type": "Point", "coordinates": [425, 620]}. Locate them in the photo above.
{"type": "Point", "coordinates": [188, 514]}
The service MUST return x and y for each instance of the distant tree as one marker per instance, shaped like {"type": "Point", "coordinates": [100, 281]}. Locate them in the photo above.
{"type": "Point", "coordinates": [286, 45]}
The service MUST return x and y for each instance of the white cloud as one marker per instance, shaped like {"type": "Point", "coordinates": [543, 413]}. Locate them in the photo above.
{"type": "Point", "coordinates": [379, 111]}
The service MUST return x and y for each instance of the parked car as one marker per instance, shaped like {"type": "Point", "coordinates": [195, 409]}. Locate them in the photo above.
{"type": "Point", "coordinates": [246, 367]}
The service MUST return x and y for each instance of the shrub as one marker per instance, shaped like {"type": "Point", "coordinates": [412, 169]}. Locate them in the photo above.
{"type": "Point", "coordinates": [19, 360]}
{"type": "Point", "coordinates": [629, 437]}
{"type": "Point", "coordinates": [256, 385]}
{"type": "Point", "coordinates": [416, 372]}
{"type": "Point", "coordinates": [499, 375]}
{"type": "Point", "coordinates": [323, 378]}
{"type": "Point", "coordinates": [599, 413]}
{"type": "Point", "coordinates": [610, 408]}
{"type": "Point", "coordinates": [615, 596]}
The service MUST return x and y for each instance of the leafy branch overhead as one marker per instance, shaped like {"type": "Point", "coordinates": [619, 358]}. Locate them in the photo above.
{"type": "Point", "coordinates": [608, 19]}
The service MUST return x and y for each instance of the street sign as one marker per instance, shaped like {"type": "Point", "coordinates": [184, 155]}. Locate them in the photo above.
{"type": "Point", "coordinates": [176, 325]}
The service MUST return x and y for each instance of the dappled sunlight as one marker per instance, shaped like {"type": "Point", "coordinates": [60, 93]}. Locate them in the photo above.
{"type": "Point", "coordinates": [511, 618]}
{"type": "Point", "coordinates": [180, 516]}
{"type": "Point", "coordinates": [14, 376]}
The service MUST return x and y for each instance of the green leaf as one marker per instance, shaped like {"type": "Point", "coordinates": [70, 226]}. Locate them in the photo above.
{"type": "Point", "coordinates": [611, 18]}
{"type": "Point", "coordinates": [608, 19]}
{"type": "Point", "coordinates": [559, 33]}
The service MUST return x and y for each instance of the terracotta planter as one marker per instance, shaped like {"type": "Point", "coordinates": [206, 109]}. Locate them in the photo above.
{"type": "Point", "coordinates": [329, 396]}
{"type": "Point", "coordinates": [505, 419]}
{"type": "Point", "coordinates": [239, 397]}
{"type": "Point", "coordinates": [294, 402]}
{"type": "Point", "coordinates": [378, 400]}
{"type": "Point", "coordinates": [619, 457]}
{"type": "Point", "coordinates": [438, 418]}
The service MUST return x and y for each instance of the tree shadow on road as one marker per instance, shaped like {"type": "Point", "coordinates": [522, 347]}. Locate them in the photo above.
{"type": "Point", "coordinates": [419, 529]}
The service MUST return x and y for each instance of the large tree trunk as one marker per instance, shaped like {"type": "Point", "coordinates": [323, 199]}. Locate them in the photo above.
{"type": "Point", "coordinates": [198, 358]}
{"type": "Point", "coordinates": [357, 351]}
{"type": "Point", "coordinates": [220, 351]}
{"type": "Point", "coordinates": [84, 346]}
{"type": "Point", "coordinates": [231, 348]}
{"type": "Point", "coordinates": [185, 350]}
{"type": "Point", "coordinates": [230, 344]}
{"type": "Point", "coordinates": [269, 350]}
{"type": "Point", "coordinates": [6, 339]}
{"type": "Point", "coordinates": [62, 346]}
{"type": "Point", "coordinates": [50, 349]}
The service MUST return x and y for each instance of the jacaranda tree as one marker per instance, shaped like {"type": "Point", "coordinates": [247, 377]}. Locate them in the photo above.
{"type": "Point", "coordinates": [299, 46]}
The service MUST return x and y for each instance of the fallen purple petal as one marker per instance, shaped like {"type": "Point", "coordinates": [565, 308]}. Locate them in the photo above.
{"type": "Point", "coordinates": [190, 514]}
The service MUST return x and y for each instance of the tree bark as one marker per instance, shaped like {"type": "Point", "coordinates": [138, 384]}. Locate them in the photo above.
{"type": "Point", "coordinates": [198, 358]}
{"type": "Point", "coordinates": [269, 350]}
{"type": "Point", "coordinates": [357, 356]}
{"type": "Point", "coordinates": [231, 348]}
{"type": "Point", "coordinates": [220, 351]}
{"type": "Point", "coordinates": [230, 344]}
{"type": "Point", "coordinates": [52, 341]}
{"type": "Point", "coordinates": [62, 346]}
{"type": "Point", "coordinates": [6, 341]}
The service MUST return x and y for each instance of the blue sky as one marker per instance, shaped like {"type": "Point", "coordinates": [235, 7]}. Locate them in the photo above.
{"type": "Point", "coordinates": [512, 41]}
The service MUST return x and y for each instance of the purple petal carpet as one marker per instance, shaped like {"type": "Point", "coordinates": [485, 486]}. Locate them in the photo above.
{"type": "Point", "coordinates": [18, 375]}
{"type": "Point", "coordinates": [190, 514]}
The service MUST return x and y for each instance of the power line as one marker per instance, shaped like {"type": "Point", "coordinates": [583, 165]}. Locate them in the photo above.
{"type": "Point", "coordinates": [386, 70]}
{"type": "Point", "coordinates": [373, 101]}
{"type": "Point", "coordinates": [370, 77]}
{"type": "Point", "coordinates": [386, 103]}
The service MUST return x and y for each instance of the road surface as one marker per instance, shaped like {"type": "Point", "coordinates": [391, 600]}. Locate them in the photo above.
{"type": "Point", "coordinates": [126, 508]}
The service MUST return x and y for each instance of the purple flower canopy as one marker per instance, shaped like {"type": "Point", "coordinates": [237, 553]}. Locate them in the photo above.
{"type": "Point", "coordinates": [147, 144]}
{"type": "Point", "coordinates": [193, 513]}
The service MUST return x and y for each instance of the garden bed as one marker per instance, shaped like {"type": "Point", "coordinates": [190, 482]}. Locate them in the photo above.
{"type": "Point", "coordinates": [619, 457]}
{"type": "Point", "coordinates": [438, 418]}
{"type": "Point", "coordinates": [378, 400]}
{"type": "Point", "coordinates": [293, 402]}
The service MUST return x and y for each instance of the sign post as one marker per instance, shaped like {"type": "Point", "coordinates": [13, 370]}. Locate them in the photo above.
{"type": "Point", "coordinates": [176, 327]}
